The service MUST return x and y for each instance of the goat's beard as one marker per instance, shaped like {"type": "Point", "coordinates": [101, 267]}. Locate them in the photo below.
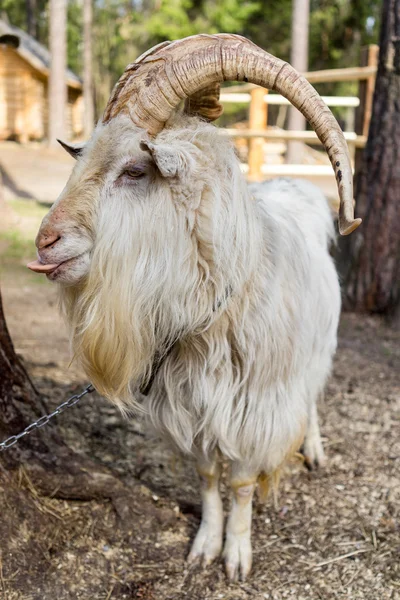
{"type": "Point", "coordinates": [160, 271]}
{"type": "Point", "coordinates": [142, 293]}
{"type": "Point", "coordinates": [116, 349]}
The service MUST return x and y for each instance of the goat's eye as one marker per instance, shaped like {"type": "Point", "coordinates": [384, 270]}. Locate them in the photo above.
{"type": "Point", "coordinates": [133, 173]}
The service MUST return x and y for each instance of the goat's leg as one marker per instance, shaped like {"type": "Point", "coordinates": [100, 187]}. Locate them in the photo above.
{"type": "Point", "coordinates": [237, 550]}
{"type": "Point", "coordinates": [313, 450]}
{"type": "Point", "coordinates": [208, 541]}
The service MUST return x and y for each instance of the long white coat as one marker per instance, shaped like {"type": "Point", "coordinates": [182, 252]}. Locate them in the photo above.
{"type": "Point", "coordinates": [249, 383]}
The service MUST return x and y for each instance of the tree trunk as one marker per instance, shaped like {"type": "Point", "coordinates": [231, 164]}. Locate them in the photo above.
{"type": "Point", "coordinates": [19, 401]}
{"type": "Point", "coordinates": [53, 467]}
{"type": "Point", "coordinates": [31, 11]}
{"type": "Point", "coordinates": [87, 68]}
{"type": "Point", "coordinates": [57, 82]}
{"type": "Point", "coordinates": [299, 60]}
{"type": "Point", "coordinates": [372, 282]}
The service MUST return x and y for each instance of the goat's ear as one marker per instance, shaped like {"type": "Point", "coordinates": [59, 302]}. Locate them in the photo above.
{"type": "Point", "coordinates": [169, 159]}
{"type": "Point", "coordinates": [75, 150]}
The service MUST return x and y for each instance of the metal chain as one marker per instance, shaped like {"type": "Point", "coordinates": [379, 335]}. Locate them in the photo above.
{"type": "Point", "coordinates": [45, 419]}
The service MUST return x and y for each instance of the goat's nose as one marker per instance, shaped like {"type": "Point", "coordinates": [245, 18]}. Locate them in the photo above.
{"type": "Point", "coordinates": [44, 240]}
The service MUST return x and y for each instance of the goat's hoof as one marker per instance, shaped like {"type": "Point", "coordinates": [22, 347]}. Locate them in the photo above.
{"type": "Point", "coordinates": [313, 460]}
{"type": "Point", "coordinates": [312, 463]}
{"type": "Point", "coordinates": [238, 556]}
{"type": "Point", "coordinates": [207, 545]}
{"type": "Point", "coordinates": [313, 453]}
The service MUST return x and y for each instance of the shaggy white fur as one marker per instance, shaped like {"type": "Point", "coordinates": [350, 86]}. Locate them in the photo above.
{"type": "Point", "coordinates": [237, 283]}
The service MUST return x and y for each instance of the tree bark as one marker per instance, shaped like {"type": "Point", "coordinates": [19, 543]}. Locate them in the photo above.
{"type": "Point", "coordinates": [31, 11]}
{"type": "Point", "coordinates": [57, 80]}
{"type": "Point", "coordinates": [53, 467]}
{"type": "Point", "coordinates": [19, 401]}
{"type": "Point", "coordinates": [372, 282]}
{"type": "Point", "coordinates": [299, 60]}
{"type": "Point", "coordinates": [87, 68]}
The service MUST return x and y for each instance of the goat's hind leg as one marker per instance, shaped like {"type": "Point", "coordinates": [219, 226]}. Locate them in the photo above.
{"type": "Point", "coordinates": [207, 544]}
{"type": "Point", "coordinates": [312, 450]}
{"type": "Point", "coordinates": [237, 550]}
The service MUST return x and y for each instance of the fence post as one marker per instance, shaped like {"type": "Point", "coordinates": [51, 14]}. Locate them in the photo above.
{"type": "Point", "coordinates": [257, 120]}
{"type": "Point", "coordinates": [369, 58]}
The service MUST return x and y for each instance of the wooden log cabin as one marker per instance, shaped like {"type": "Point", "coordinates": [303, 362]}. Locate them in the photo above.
{"type": "Point", "coordinates": [24, 74]}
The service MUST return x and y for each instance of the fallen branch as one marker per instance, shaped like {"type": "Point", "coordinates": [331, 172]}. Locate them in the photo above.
{"type": "Point", "coordinates": [338, 558]}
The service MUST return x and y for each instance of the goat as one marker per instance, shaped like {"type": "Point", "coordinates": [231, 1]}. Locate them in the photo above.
{"type": "Point", "coordinates": [171, 272]}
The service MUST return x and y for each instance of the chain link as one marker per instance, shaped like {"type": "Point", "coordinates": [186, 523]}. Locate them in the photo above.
{"type": "Point", "coordinates": [45, 419]}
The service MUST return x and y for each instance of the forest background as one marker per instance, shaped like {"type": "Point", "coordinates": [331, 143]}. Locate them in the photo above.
{"type": "Point", "coordinates": [123, 29]}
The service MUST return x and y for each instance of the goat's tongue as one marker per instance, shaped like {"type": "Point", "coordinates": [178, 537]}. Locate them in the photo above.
{"type": "Point", "coordinates": [40, 268]}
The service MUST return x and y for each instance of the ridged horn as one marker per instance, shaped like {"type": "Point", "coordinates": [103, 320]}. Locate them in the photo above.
{"type": "Point", "coordinates": [205, 103]}
{"type": "Point", "coordinates": [152, 87]}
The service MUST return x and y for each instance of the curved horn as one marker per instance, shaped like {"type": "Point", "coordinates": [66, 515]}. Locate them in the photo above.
{"type": "Point", "coordinates": [151, 88]}
{"type": "Point", "coordinates": [205, 103]}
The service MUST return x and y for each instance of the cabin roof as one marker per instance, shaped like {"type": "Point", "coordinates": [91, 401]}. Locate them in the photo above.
{"type": "Point", "coordinates": [36, 54]}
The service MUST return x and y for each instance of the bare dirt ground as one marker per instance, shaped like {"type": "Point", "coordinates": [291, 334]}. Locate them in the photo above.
{"type": "Point", "coordinates": [33, 170]}
{"type": "Point", "coordinates": [335, 535]}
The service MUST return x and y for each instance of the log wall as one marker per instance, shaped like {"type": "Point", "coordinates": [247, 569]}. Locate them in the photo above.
{"type": "Point", "coordinates": [24, 104]}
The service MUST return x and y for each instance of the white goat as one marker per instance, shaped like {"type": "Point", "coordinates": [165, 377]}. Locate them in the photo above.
{"type": "Point", "coordinates": [169, 266]}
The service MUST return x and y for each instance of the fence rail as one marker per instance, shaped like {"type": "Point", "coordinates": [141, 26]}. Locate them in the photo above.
{"type": "Point", "coordinates": [325, 76]}
{"type": "Point", "coordinates": [278, 100]}
{"type": "Point", "coordinates": [358, 141]}
{"type": "Point", "coordinates": [258, 99]}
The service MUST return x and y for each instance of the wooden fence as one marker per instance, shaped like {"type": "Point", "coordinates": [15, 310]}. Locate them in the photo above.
{"type": "Point", "coordinates": [259, 99]}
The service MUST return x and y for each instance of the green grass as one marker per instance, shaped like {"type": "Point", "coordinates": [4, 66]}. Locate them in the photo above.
{"type": "Point", "coordinates": [17, 243]}
{"type": "Point", "coordinates": [28, 208]}
{"type": "Point", "coordinates": [15, 252]}
{"type": "Point", "coordinates": [15, 246]}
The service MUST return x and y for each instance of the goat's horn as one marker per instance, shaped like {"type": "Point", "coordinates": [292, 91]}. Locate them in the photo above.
{"type": "Point", "coordinates": [153, 86]}
{"type": "Point", "coordinates": [205, 103]}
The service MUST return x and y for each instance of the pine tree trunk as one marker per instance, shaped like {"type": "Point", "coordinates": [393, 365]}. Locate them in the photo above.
{"type": "Point", "coordinates": [50, 463]}
{"type": "Point", "coordinates": [372, 282]}
{"type": "Point", "coordinates": [31, 11]}
{"type": "Point", "coordinates": [19, 401]}
{"type": "Point", "coordinates": [87, 68]}
{"type": "Point", "coordinates": [299, 60]}
{"type": "Point", "coordinates": [57, 82]}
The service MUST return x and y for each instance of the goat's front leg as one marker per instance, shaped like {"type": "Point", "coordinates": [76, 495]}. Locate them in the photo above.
{"type": "Point", "coordinates": [208, 541]}
{"type": "Point", "coordinates": [237, 550]}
